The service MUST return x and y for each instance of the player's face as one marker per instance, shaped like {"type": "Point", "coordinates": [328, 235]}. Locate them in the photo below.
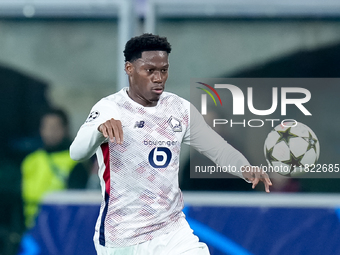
{"type": "Point", "coordinates": [52, 130]}
{"type": "Point", "coordinates": [147, 77]}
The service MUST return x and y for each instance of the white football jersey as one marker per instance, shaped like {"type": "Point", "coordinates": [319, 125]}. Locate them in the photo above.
{"type": "Point", "coordinates": [139, 178]}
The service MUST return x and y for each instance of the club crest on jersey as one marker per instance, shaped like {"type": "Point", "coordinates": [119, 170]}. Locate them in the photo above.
{"type": "Point", "coordinates": [93, 115]}
{"type": "Point", "coordinates": [175, 124]}
{"type": "Point", "coordinates": [139, 124]}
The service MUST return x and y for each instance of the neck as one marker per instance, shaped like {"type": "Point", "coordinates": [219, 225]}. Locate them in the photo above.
{"type": "Point", "coordinates": [140, 100]}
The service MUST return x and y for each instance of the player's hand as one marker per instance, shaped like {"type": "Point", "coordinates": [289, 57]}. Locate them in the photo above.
{"type": "Point", "coordinates": [113, 130]}
{"type": "Point", "coordinates": [255, 174]}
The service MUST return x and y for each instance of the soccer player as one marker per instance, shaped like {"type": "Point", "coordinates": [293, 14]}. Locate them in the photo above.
{"type": "Point", "coordinates": [136, 134]}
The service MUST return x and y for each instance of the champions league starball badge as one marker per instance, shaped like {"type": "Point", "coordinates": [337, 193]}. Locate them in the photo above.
{"type": "Point", "coordinates": [93, 115]}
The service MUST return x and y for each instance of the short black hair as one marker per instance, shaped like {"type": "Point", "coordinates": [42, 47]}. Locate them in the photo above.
{"type": "Point", "coordinates": [145, 42]}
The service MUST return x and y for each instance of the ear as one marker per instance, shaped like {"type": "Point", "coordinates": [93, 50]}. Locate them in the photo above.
{"type": "Point", "coordinates": [128, 68]}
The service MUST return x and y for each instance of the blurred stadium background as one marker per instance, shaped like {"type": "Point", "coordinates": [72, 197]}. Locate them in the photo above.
{"type": "Point", "coordinates": [68, 53]}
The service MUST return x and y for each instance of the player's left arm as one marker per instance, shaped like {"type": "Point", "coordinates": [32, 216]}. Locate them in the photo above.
{"type": "Point", "coordinates": [254, 175]}
{"type": "Point", "coordinates": [204, 139]}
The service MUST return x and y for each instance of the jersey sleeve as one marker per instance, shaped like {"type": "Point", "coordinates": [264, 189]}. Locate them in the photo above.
{"type": "Point", "coordinates": [205, 140]}
{"type": "Point", "coordinates": [88, 138]}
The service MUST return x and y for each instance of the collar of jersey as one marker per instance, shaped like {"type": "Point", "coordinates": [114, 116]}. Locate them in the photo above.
{"type": "Point", "coordinates": [125, 94]}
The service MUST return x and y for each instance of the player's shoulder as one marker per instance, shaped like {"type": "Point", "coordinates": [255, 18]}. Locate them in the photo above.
{"type": "Point", "coordinates": [110, 100]}
{"type": "Point", "coordinates": [175, 99]}
{"type": "Point", "coordinates": [113, 97]}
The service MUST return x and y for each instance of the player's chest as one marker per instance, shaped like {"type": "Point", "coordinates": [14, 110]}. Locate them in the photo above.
{"type": "Point", "coordinates": [153, 126]}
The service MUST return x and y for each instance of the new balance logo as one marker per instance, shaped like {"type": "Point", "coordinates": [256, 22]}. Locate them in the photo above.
{"type": "Point", "coordinates": [139, 124]}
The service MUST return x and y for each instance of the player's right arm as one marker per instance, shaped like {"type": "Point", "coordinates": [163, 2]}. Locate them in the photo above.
{"type": "Point", "coordinates": [98, 128]}
{"type": "Point", "coordinates": [112, 129]}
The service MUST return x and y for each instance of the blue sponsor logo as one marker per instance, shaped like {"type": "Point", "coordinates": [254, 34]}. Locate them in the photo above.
{"type": "Point", "coordinates": [160, 157]}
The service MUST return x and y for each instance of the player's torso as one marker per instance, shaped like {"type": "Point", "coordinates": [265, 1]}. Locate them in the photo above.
{"type": "Point", "coordinates": [143, 194]}
{"type": "Point", "coordinates": [152, 135]}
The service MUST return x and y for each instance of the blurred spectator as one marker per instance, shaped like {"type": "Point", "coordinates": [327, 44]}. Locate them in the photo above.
{"type": "Point", "coordinates": [18, 136]}
{"type": "Point", "coordinates": [50, 168]}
